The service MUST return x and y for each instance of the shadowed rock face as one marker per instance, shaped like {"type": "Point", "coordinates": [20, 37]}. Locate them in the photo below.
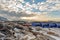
{"type": "Point", "coordinates": [1, 26]}
{"type": "Point", "coordinates": [3, 19]}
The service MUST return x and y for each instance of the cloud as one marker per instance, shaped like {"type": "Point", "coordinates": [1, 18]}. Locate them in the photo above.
{"type": "Point", "coordinates": [37, 17]}
{"type": "Point", "coordinates": [13, 15]}
{"type": "Point", "coordinates": [56, 7]}
{"type": "Point", "coordinates": [40, 18]}
{"type": "Point", "coordinates": [53, 1]}
{"type": "Point", "coordinates": [49, 5]}
{"type": "Point", "coordinates": [16, 9]}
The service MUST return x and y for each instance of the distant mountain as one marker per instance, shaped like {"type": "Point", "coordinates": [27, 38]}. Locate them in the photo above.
{"type": "Point", "coordinates": [3, 19]}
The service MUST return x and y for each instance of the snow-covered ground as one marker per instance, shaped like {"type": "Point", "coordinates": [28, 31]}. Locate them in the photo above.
{"type": "Point", "coordinates": [33, 33]}
{"type": "Point", "coordinates": [54, 30]}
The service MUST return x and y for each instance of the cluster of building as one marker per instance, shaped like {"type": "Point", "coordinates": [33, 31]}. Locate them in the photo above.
{"type": "Point", "coordinates": [47, 24]}
{"type": "Point", "coordinates": [27, 24]}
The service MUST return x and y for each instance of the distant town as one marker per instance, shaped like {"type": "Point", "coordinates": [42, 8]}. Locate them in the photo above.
{"type": "Point", "coordinates": [50, 24]}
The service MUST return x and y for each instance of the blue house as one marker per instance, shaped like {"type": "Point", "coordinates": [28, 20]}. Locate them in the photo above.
{"type": "Point", "coordinates": [58, 25]}
{"type": "Point", "coordinates": [36, 24]}
{"type": "Point", "coordinates": [52, 25]}
{"type": "Point", "coordinates": [45, 25]}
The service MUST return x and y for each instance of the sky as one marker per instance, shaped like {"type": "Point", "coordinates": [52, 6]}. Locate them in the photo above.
{"type": "Point", "coordinates": [32, 10]}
